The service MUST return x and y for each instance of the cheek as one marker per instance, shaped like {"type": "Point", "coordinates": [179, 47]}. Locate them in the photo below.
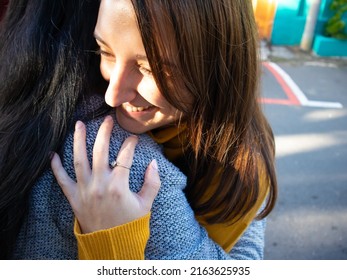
{"type": "Point", "coordinates": [148, 89]}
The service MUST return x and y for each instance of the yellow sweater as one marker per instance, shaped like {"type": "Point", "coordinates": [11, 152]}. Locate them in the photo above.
{"type": "Point", "coordinates": [128, 241]}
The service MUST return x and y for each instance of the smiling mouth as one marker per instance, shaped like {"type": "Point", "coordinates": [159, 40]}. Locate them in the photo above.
{"type": "Point", "coordinates": [131, 109]}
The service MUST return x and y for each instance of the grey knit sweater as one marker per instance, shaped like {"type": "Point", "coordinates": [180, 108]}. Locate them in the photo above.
{"type": "Point", "coordinates": [47, 232]}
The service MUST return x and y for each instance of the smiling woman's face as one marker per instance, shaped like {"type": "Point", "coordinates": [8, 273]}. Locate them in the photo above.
{"type": "Point", "coordinates": [132, 90]}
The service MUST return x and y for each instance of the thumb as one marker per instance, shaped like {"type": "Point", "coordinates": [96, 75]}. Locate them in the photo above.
{"type": "Point", "coordinates": [151, 184]}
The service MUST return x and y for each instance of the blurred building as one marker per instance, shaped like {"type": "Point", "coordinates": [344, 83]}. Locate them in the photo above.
{"type": "Point", "coordinates": [282, 22]}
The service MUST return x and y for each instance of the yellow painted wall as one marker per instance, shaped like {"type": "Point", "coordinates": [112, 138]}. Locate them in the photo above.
{"type": "Point", "coordinates": [264, 11]}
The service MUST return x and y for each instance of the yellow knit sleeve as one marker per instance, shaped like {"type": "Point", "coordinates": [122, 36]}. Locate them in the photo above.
{"type": "Point", "coordinates": [124, 242]}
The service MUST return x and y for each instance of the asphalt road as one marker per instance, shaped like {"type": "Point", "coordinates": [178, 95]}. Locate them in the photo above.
{"type": "Point", "coordinates": [308, 113]}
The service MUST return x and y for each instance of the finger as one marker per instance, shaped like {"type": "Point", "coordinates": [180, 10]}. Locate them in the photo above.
{"type": "Point", "coordinates": [81, 163]}
{"type": "Point", "coordinates": [101, 146]}
{"type": "Point", "coordinates": [151, 185]}
{"type": "Point", "coordinates": [67, 185]}
{"type": "Point", "coordinates": [126, 155]}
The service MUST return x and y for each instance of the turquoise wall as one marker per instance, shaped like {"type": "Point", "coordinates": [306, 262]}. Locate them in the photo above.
{"type": "Point", "coordinates": [290, 19]}
{"type": "Point", "coordinates": [289, 22]}
{"type": "Point", "coordinates": [325, 46]}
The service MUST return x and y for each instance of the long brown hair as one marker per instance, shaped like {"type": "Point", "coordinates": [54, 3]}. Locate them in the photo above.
{"type": "Point", "coordinates": [210, 49]}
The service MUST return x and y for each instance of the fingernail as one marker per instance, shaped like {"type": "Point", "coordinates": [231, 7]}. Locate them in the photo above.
{"type": "Point", "coordinates": [108, 118]}
{"type": "Point", "coordinates": [79, 125]}
{"type": "Point", "coordinates": [154, 164]}
{"type": "Point", "coordinates": [134, 136]}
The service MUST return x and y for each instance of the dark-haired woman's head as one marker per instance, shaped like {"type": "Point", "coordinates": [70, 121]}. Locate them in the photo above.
{"type": "Point", "coordinates": [47, 64]}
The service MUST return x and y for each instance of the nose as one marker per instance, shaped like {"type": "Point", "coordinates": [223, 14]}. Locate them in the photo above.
{"type": "Point", "coordinates": [121, 87]}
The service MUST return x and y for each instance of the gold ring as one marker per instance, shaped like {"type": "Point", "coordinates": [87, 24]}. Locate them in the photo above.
{"type": "Point", "coordinates": [117, 163]}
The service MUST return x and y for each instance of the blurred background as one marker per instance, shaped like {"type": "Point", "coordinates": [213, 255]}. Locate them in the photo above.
{"type": "Point", "coordinates": [304, 88]}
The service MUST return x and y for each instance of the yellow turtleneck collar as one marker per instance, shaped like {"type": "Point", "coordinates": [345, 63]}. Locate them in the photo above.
{"type": "Point", "coordinates": [173, 138]}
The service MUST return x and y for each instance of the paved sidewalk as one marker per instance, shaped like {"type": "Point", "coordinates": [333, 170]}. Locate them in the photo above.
{"type": "Point", "coordinates": [305, 100]}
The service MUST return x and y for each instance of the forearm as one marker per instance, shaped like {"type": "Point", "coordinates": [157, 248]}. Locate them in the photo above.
{"type": "Point", "coordinates": [129, 242]}
{"type": "Point", "coordinates": [176, 234]}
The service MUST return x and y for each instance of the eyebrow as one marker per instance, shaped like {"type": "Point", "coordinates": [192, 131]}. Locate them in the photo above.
{"type": "Point", "coordinates": [138, 56]}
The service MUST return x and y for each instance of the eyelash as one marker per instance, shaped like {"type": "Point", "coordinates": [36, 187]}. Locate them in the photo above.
{"type": "Point", "coordinates": [107, 55]}
{"type": "Point", "coordinates": [102, 53]}
{"type": "Point", "coordinates": [145, 70]}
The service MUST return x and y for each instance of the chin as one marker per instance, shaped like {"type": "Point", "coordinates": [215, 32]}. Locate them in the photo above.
{"type": "Point", "coordinates": [133, 128]}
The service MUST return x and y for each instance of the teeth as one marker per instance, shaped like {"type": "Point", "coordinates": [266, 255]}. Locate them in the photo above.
{"type": "Point", "coordinates": [130, 108]}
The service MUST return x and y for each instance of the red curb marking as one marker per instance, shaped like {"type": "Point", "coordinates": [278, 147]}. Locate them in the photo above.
{"type": "Point", "coordinates": [292, 99]}
{"type": "Point", "coordinates": [277, 101]}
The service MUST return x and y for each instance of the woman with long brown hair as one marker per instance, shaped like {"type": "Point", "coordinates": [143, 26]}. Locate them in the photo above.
{"type": "Point", "coordinates": [187, 73]}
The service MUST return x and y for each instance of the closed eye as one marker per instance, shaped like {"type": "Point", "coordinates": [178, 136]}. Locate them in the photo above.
{"type": "Point", "coordinates": [103, 53]}
{"type": "Point", "coordinates": [145, 70]}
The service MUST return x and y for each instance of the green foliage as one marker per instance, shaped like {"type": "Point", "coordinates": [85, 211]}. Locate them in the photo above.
{"type": "Point", "coordinates": [335, 26]}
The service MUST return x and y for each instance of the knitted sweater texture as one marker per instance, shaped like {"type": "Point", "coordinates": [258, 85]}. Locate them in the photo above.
{"type": "Point", "coordinates": [47, 231]}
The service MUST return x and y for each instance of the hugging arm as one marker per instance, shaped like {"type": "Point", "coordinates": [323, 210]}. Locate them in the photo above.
{"type": "Point", "coordinates": [174, 231]}
{"type": "Point", "coordinates": [176, 234]}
